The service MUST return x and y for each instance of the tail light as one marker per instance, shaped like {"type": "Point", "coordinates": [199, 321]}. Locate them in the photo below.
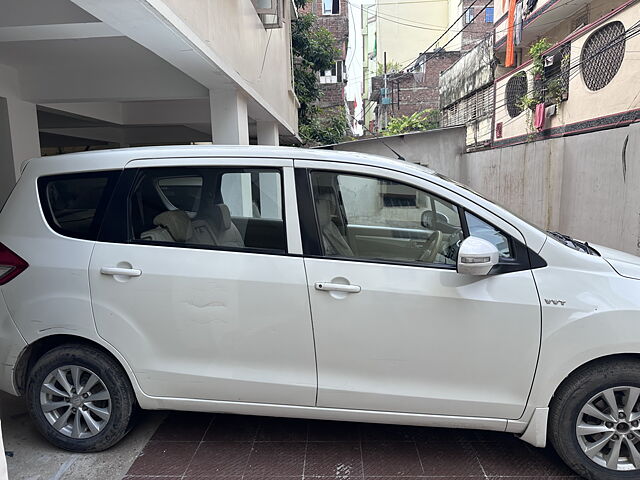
{"type": "Point", "coordinates": [11, 265]}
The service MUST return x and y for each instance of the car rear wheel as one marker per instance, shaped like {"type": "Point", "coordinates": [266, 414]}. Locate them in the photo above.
{"type": "Point", "coordinates": [595, 421]}
{"type": "Point", "coordinates": [80, 398]}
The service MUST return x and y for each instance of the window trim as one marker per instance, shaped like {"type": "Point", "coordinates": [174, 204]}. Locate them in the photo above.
{"type": "Point", "coordinates": [330, 14]}
{"type": "Point", "coordinates": [119, 211]}
{"type": "Point", "coordinates": [100, 215]}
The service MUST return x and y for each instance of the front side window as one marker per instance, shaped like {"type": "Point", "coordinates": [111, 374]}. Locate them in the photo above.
{"type": "Point", "coordinates": [208, 207]}
{"type": "Point", "coordinates": [73, 204]}
{"type": "Point", "coordinates": [371, 218]}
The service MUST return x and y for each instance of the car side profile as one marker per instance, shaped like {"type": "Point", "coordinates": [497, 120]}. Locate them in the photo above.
{"type": "Point", "coordinates": [313, 284]}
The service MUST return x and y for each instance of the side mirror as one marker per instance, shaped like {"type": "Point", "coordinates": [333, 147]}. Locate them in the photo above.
{"type": "Point", "coordinates": [477, 256]}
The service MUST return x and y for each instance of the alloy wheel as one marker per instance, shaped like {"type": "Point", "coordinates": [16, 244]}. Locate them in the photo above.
{"type": "Point", "coordinates": [75, 401]}
{"type": "Point", "coordinates": [608, 428]}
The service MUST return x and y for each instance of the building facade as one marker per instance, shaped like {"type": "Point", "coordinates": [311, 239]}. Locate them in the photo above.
{"type": "Point", "coordinates": [466, 94]}
{"type": "Point", "coordinates": [94, 74]}
{"type": "Point", "coordinates": [334, 16]}
{"type": "Point", "coordinates": [584, 81]}
{"type": "Point", "coordinates": [421, 38]}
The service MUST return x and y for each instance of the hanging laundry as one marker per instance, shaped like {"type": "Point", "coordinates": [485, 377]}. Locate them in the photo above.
{"type": "Point", "coordinates": [517, 36]}
{"type": "Point", "coordinates": [531, 4]}
{"type": "Point", "coordinates": [510, 57]}
{"type": "Point", "coordinates": [538, 120]}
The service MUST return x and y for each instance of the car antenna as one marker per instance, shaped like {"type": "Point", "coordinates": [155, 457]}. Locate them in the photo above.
{"type": "Point", "coordinates": [400, 157]}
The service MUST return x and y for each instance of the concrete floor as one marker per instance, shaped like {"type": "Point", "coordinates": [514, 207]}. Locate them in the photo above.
{"type": "Point", "coordinates": [35, 459]}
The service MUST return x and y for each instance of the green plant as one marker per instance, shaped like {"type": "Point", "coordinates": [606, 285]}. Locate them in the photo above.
{"type": "Point", "coordinates": [314, 50]}
{"type": "Point", "coordinates": [535, 52]}
{"type": "Point", "coordinates": [327, 126]}
{"type": "Point", "coordinates": [556, 90]}
{"type": "Point", "coordinates": [419, 121]}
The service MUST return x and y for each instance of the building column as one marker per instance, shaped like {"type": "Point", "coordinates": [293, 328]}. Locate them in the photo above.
{"type": "Point", "coordinates": [229, 120]}
{"type": "Point", "coordinates": [268, 133]}
{"type": "Point", "coordinates": [19, 140]}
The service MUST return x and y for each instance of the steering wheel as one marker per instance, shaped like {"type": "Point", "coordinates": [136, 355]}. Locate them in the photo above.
{"type": "Point", "coordinates": [431, 247]}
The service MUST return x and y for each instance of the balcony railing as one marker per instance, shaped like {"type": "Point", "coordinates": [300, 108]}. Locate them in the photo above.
{"type": "Point", "coordinates": [588, 82]}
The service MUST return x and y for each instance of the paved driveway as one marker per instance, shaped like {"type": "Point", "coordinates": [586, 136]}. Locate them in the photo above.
{"type": "Point", "coordinates": [33, 458]}
{"type": "Point", "coordinates": [201, 446]}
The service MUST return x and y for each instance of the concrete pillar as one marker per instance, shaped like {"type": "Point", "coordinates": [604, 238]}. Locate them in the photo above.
{"type": "Point", "coordinates": [229, 120]}
{"type": "Point", "coordinates": [268, 133]}
{"type": "Point", "coordinates": [19, 140]}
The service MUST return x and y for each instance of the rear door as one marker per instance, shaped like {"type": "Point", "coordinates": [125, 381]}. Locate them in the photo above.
{"type": "Point", "coordinates": [195, 281]}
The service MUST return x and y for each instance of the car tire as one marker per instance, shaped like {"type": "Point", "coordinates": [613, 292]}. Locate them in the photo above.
{"type": "Point", "coordinates": [80, 398]}
{"type": "Point", "coordinates": [575, 428]}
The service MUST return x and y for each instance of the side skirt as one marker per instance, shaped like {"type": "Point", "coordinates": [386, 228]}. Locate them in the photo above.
{"type": "Point", "coordinates": [321, 413]}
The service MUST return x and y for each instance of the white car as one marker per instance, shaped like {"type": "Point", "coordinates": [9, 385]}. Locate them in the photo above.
{"type": "Point", "coordinates": [314, 284]}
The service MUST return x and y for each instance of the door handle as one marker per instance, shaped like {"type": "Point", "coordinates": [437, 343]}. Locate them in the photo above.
{"type": "Point", "coordinates": [125, 272]}
{"type": "Point", "coordinates": [337, 287]}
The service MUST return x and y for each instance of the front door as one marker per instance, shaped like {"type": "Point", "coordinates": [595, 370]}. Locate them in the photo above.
{"type": "Point", "coordinates": [396, 328]}
{"type": "Point", "coordinates": [198, 291]}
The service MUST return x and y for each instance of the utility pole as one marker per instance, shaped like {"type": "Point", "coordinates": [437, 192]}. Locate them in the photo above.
{"type": "Point", "coordinates": [386, 91]}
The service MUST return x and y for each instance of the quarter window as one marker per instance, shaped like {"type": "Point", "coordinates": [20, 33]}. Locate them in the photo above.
{"type": "Point", "coordinates": [208, 208]}
{"type": "Point", "coordinates": [74, 204]}
{"type": "Point", "coordinates": [481, 229]}
{"type": "Point", "coordinates": [364, 217]}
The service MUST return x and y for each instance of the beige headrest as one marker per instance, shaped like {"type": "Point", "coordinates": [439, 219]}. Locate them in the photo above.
{"type": "Point", "coordinates": [325, 209]}
{"type": "Point", "coordinates": [177, 222]}
{"type": "Point", "coordinates": [221, 217]}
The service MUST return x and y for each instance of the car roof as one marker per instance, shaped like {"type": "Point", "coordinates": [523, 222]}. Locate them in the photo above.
{"type": "Point", "coordinates": [119, 157]}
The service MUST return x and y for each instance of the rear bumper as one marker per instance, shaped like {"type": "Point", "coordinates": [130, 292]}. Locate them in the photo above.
{"type": "Point", "coordinates": [11, 344]}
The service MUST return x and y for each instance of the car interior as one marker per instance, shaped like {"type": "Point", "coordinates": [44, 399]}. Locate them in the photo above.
{"type": "Point", "coordinates": [428, 235]}
{"type": "Point", "coordinates": [188, 206]}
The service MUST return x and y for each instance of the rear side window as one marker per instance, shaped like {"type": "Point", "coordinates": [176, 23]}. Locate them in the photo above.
{"type": "Point", "coordinates": [74, 204]}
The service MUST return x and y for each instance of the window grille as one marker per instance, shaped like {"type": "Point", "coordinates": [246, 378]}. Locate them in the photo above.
{"type": "Point", "coordinates": [474, 107]}
{"type": "Point", "coordinates": [515, 90]}
{"type": "Point", "coordinates": [602, 55]}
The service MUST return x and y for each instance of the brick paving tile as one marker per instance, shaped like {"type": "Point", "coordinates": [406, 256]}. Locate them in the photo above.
{"type": "Point", "coordinates": [164, 458]}
{"type": "Point", "coordinates": [183, 427]}
{"type": "Point", "coordinates": [333, 459]}
{"type": "Point", "coordinates": [195, 446]}
{"type": "Point", "coordinates": [276, 459]}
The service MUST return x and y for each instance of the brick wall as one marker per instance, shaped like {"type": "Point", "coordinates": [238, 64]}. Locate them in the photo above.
{"type": "Point", "coordinates": [478, 29]}
{"type": "Point", "coordinates": [413, 92]}
{"type": "Point", "coordinates": [338, 25]}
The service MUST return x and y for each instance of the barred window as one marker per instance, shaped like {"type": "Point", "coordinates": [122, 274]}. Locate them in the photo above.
{"type": "Point", "coordinates": [602, 55]}
{"type": "Point", "coordinates": [515, 90]}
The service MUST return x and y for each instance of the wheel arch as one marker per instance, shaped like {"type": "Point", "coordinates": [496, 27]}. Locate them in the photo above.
{"type": "Point", "coordinates": [535, 429]}
{"type": "Point", "coordinates": [591, 363]}
{"type": "Point", "coordinates": [35, 350]}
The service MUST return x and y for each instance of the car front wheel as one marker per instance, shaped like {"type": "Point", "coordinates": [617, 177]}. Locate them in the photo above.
{"type": "Point", "coordinates": [80, 398]}
{"type": "Point", "coordinates": [595, 421]}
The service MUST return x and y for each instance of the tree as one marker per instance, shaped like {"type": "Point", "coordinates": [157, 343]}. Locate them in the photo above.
{"type": "Point", "coordinates": [391, 67]}
{"type": "Point", "coordinates": [314, 51]}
